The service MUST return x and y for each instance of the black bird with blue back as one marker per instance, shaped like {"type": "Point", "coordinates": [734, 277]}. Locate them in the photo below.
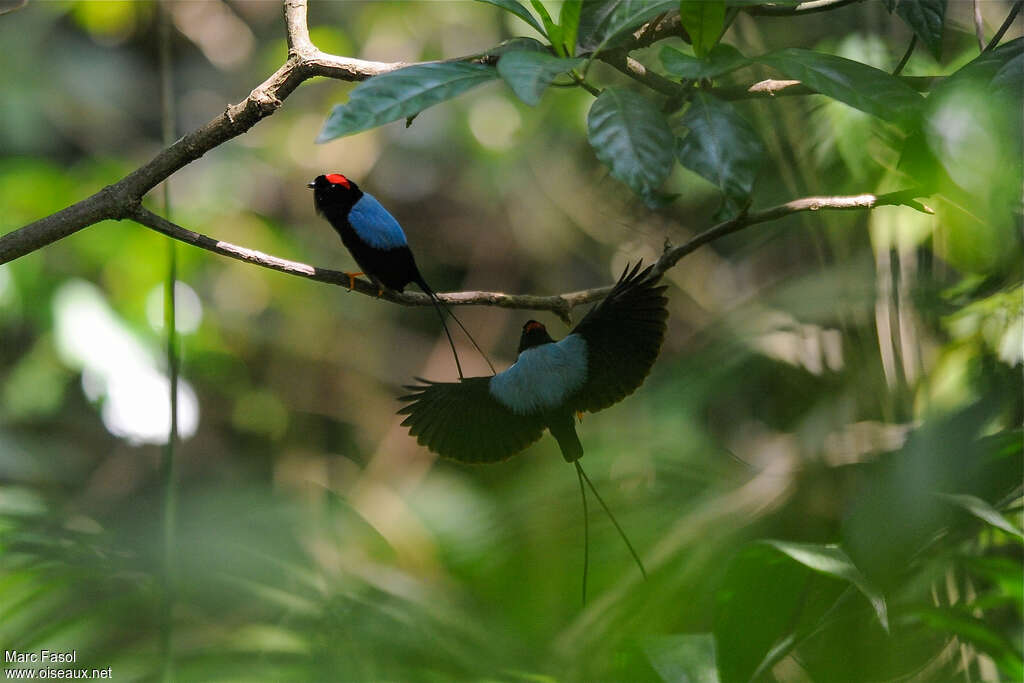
{"type": "Point", "coordinates": [376, 241]}
{"type": "Point", "coordinates": [600, 362]}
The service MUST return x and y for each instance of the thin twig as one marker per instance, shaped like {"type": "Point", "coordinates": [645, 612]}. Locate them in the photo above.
{"type": "Point", "coordinates": [774, 88]}
{"type": "Point", "coordinates": [906, 56]}
{"type": "Point", "coordinates": [120, 200]}
{"type": "Point", "coordinates": [559, 304]}
{"type": "Point", "coordinates": [1007, 23]}
{"type": "Point", "coordinates": [803, 8]}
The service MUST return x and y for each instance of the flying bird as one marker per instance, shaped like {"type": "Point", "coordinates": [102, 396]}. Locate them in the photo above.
{"type": "Point", "coordinates": [603, 360]}
{"type": "Point", "coordinates": [377, 242]}
{"type": "Point", "coordinates": [600, 362]}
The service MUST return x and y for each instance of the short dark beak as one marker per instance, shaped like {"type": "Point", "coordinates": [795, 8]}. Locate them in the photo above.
{"type": "Point", "coordinates": [311, 185]}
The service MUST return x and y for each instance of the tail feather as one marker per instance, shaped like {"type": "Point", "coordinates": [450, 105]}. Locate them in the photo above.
{"type": "Point", "coordinates": [439, 305]}
{"type": "Point", "coordinates": [451, 342]}
{"type": "Point", "coordinates": [564, 432]}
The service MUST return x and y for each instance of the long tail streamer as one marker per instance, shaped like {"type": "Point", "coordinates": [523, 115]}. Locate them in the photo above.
{"type": "Point", "coordinates": [438, 306]}
{"type": "Point", "coordinates": [451, 342]}
{"type": "Point", "coordinates": [586, 530]}
{"type": "Point", "coordinates": [583, 477]}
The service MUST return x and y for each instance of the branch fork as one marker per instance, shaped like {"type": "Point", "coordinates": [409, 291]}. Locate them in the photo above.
{"type": "Point", "coordinates": [123, 199]}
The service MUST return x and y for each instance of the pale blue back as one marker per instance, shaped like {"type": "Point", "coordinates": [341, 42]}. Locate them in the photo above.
{"type": "Point", "coordinates": [374, 225]}
{"type": "Point", "coordinates": [542, 377]}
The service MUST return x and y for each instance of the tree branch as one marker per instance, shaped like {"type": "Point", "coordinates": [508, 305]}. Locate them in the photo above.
{"type": "Point", "coordinates": [1007, 23]}
{"type": "Point", "coordinates": [115, 201]}
{"type": "Point", "coordinates": [803, 8]}
{"type": "Point", "coordinates": [559, 304]}
{"type": "Point", "coordinates": [672, 255]}
{"type": "Point", "coordinates": [122, 199]}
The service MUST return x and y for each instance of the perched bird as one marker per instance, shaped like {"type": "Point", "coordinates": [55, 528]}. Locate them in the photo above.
{"type": "Point", "coordinates": [603, 360]}
{"type": "Point", "coordinates": [377, 243]}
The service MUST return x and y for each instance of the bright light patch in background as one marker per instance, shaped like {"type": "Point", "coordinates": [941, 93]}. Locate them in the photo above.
{"type": "Point", "coordinates": [117, 366]}
{"type": "Point", "coordinates": [188, 310]}
{"type": "Point", "coordinates": [494, 122]}
{"type": "Point", "coordinates": [223, 38]}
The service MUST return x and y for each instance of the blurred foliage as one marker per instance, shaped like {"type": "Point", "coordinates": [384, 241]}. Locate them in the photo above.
{"type": "Point", "coordinates": [823, 472]}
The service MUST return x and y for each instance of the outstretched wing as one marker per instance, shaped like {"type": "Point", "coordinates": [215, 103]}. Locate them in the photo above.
{"type": "Point", "coordinates": [462, 421]}
{"type": "Point", "coordinates": [623, 334]}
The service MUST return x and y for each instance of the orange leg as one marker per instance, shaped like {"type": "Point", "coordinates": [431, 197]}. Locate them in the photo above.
{"type": "Point", "coordinates": [352, 279]}
{"type": "Point", "coordinates": [579, 415]}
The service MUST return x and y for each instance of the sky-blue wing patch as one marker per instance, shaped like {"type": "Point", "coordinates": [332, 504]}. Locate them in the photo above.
{"type": "Point", "coordinates": [375, 225]}
{"type": "Point", "coordinates": [542, 377]}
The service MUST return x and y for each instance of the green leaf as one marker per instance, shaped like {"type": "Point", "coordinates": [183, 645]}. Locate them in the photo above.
{"type": "Point", "coordinates": [980, 633]}
{"type": "Point", "coordinates": [401, 94]}
{"type": "Point", "coordinates": [517, 9]}
{"type": "Point", "coordinates": [758, 604]}
{"type": "Point", "coordinates": [1010, 77]}
{"type": "Point", "coordinates": [530, 73]}
{"type": "Point", "coordinates": [831, 559]}
{"type": "Point", "coordinates": [858, 85]}
{"type": "Point", "coordinates": [683, 658]}
{"type": "Point", "coordinates": [983, 511]}
{"type": "Point", "coordinates": [631, 137]}
{"type": "Point", "coordinates": [703, 20]}
{"type": "Point", "coordinates": [569, 18]}
{"type": "Point", "coordinates": [925, 18]}
{"type": "Point", "coordinates": [723, 148]}
{"type": "Point", "coordinates": [554, 31]}
{"type": "Point", "coordinates": [603, 21]}
{"type": "Point", "coordinates": [517, 44]}
{"type": "Point", "coordinates": [721, 60]}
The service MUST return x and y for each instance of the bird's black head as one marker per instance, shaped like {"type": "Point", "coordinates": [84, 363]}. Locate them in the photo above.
{"type": "Point", "coordinates": [534, 334]}
{"type": "Point", "coordinates": [334, 194]}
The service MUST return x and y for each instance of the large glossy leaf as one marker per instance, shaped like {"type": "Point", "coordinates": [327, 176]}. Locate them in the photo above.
{"type": "Point", "coordinates": [703, 20]}
{"type": "Point", "coordinates": [858, 85]}
{"type": "Point", "coordinates": [520, 11]}
{"type": "Point", "coordinates": [723, 148]}
{"type": "Point", "coordinates": [757, 605]}
{"type": "Point", "coordinates": [551, 29]}
{"type": "Point", "coordinates": [770, 601]}
{"type": "Point", "coordinates": [831, 559]}
{"type": "Point", "coordinates": [1010, 78]}
{"type": "Point", "coordinates": [603, 21]}
{"type": "Point", "coordinates": [983, 511]}
{"type": "Point", "coordinates": [721, 60]}
{"type": "Point", "coordinates": [569, 19]}
{"type": "Point", "coordinates": [925, 18]}
{"type": "Point", "coordinates": [631, 137]}
{"type": "Point", "coordinates": [530, 73]}
{"type": "Point", "coordinates": [517, 44]}
{"type": "Point", "coordinates": [401, 94]}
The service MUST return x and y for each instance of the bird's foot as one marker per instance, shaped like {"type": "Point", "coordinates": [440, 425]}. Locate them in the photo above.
{"type": "Point", "coordinates": [380, 292]}
{"type": "Point", "coordinates": [579, 415]}
{"type": "Point", "coordinates": [352, 279]}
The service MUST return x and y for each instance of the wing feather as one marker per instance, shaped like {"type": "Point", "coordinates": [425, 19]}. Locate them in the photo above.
{"type": "Point", "coordinates": [624, 334]}
{"type": "Point", "coordinates": [462, 421]}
